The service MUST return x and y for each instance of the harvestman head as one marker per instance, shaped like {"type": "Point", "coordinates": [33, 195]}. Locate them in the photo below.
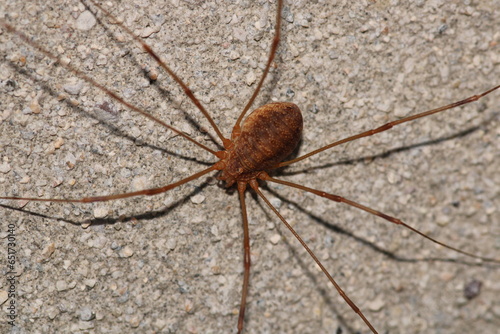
{"type": "Point", "coordinates": [260, 142]}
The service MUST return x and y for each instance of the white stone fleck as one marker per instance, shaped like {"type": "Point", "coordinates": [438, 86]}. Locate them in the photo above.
{"type": "Point", "coordinates": [5, 168]}
{"type": "Point", "coordinates": [85, 224]}
{"type": "Point", "coordinates": [90, 282]}
{"type": "Point", "coordinates": [139, 183]}
{"type": "Point", "coordinates": [442, 219]}
{"type": "Point", "coordinates": [276, 202]}
{"type": "Point", "coordinates": [148, 31]}
{"type": "Point", "coordinates": [126, 251]}
{"type": "Point", "coordinates": [233, 55]}
{"type": "Point", "coordinates": [101, 212]}
{"type": "Point", "coordinates": [86, 314]}
{"type": "Point", "coordinates": [376, 305]}
{"type": "Point", "coordinates": [275, 238]}
{"type": "Point", "coordinates": [401, 111]}
{"type": "Point", "coordinates": [73, 87]}
{"type": "Point", "coordinates": [197, 199]}
{"type": "Point", "coordinates": [52, 312]}
{"type": "Point", "coordinates": [250, 78]}
{"type": "Point", "coordinates": [61, 285]}
{"type": "Point", "coordinates": [135, 321]}
{"type": "Point", "coordinates": [85, 21]}
{"type": "Point", "coordinates": [25, 180]}
{"type": "Point", "coordinates": [393, 178]}
{"type": "Point", "coordinates": [171, 243]}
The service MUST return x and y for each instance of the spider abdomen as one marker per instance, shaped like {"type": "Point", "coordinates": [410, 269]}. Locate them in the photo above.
{"type": "Point", "coordinates": [268, 135]}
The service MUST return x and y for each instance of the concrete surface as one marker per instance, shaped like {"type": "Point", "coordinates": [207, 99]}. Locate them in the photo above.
{"type": "Point", "coordinates": [172, 263]}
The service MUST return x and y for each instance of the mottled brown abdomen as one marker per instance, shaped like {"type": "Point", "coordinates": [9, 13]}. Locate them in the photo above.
{"type": "Point", "coordinates": [268, 135]}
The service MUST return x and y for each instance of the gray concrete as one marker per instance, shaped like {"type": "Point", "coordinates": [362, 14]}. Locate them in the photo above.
{"type": "Point", "coordinates": [176, 267]}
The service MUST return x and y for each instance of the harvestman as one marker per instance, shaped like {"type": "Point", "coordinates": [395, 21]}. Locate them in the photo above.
{"type": "Point", "coordinates": [259, 143]}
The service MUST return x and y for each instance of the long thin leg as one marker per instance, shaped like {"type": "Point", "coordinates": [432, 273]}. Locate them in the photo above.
{"type": "Point", "coordinates": [94, 83]}
{"type": "Point", "coordinates": [167, 69]}
{"type": "Point", "coordinates": [388, 126]}
{"type": "Point", "coordinates": [147, 192]}
{"type": "Point", "coordinates": [246, 260]}
{"type": "Point", "coordinates": [272, 53]}
{"type": "Point", "coordinates": [255, 186]}
{"type": "Point", "coordinates": [391, 219]}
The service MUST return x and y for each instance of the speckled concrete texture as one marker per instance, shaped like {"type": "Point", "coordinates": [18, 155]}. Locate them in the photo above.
{"type": "Point", "coordinates": [172, 263]}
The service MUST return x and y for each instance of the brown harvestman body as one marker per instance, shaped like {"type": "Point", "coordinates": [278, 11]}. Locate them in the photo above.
{"type": "Point", "coordinates": [241, 166]}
